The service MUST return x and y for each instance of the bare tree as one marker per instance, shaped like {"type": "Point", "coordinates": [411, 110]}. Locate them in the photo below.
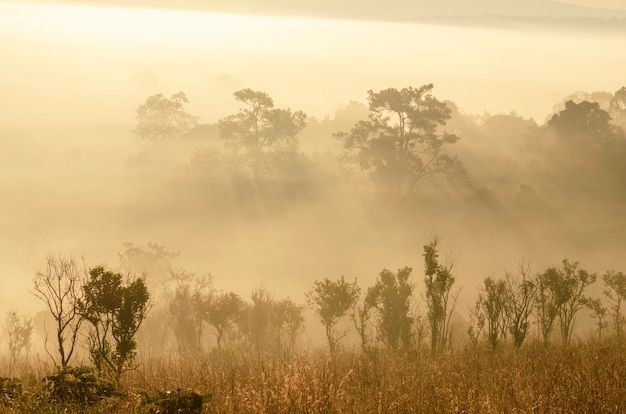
{"type": "Point", "coordinates": [521, 299]}
{"type": "Point", "coordinates": [59, 286]}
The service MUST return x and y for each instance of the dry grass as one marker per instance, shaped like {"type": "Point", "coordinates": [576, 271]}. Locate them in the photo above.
{"type": "Point", "coordinates": [582, 378]}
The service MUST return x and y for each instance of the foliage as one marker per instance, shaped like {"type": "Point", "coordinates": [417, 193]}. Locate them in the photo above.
{"type": "Point", "coordinates": [181, 401]}
{"type": "Point", "coordinates": [390, 296]}
{"type": "Point", "coordinates": [438, 280]}
{"type": "Point", "coordinates": [261, 137]}
{"type": "Point", "coordinates": [10, 392]}
{"type": "Point", "coordinates": [75, 385]}
{"type": "Point", "coordinates": [222, 311]}
{"type": "Point", "coordinates": [59, 287]}
{"type": "Point", "coordinates": [114, 310]}
{"type": "Point", "coordinates": [331, 300]}
{"type": "Point", "coordinates": [492, 305]}
{"type": "Point", "coordinates": [160, 118]}
{"type": "Point", "coordinates": [401, 143]}
{"type": "Point", "coordinates": [561, 293]}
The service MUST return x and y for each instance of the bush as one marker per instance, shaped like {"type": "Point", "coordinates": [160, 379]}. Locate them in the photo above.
{"type": "Point", "coordinates": [10, 391]}
{"type": "Point", "coordinates": [181, 401]}
{"type": "Point", "coordinates": [76, 385]}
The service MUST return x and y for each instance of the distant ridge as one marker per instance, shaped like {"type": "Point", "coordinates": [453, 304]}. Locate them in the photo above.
{"type": "Point", "coordinates": [389, 10]}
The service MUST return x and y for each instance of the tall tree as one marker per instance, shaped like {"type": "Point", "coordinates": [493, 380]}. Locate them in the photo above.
{"type": "Point", "coordinates": [331, 300]}
{"type": "Point", "coordinates": [161, 118]}
{"type": "Point", "coordinates": [390, 296]}
{"type": "Point", "coordinates": [261, 137]}
{"type": "Point", "coordinates": [402, 142]}
{"type": "Point", "coordinates": [438, 279]}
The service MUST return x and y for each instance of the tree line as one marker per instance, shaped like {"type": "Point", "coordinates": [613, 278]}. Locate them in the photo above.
{"type": "Point", "coordinates": [101, 311]}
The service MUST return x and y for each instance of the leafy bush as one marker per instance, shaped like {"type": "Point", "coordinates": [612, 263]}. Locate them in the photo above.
{"type": "Point", "coordinates": [76, 385]}
{"type": "Point", "coordinates": [181, 401]}
{"type": "Point", "coordinates": [10, 391]}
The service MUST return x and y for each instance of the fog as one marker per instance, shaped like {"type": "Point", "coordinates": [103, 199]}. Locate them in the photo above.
{"type": "Point", "coordinates": [75, 180]}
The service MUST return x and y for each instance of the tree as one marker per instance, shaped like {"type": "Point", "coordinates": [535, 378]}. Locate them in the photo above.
{"type": "Point", "coordinates": [390, 296]}
{"type": "Point", "coordinates": [598, 312]}
{"type": "Point", "coordinates": [154, 260]}
{"type": "Point", "coordinates": [19, 330]}
{"type": "Point", "coordinates": [521, 298]}
{"type": "Point", "coordinates": [160, 118]}
{"type": "Point", "coordinates": [331, 300]}
{"type": "Point", "coordinates": [58, 285]}
{"type": "Point", "coordinates": [401, 143]}
{"type": "Point", "coordinates": [114, 309]}
{"type": "Point", "coordinates": [186, 310]}
{"type": "Point", "coordinates": [222, 311]}
{"type": "Point", "coordinates": [492, 305]}
{"type": "Point", "coordinates": [561, 293]}
{"type": "Point", "coordinates": [439, 280]}
{"type": "Point", "coordinates": [361, 315]}
{"type": "Point", "coordinates": [261, 137]}
{"type": "Point", "coordinates": [286, 318]}
{"type": "Point", "coordinates": [257, 319]}
{"type": "Point", "coordinates": [615, 283]}
{"type": "Point", "coordinates": [584, 125]}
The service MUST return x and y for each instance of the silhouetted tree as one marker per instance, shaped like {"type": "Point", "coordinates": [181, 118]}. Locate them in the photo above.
{"type": "Point", "coordinates": [114, 309]}
{"type": "Point", "coordinates": [261, 137]}
{"type": "Point", "coordinates": [160, 118]}
{"type": "Point", "coordinates": [615, 283]}
{"type": "Point", "coordinates": [561, 293]}
{"type": "Point", "coordinates": [19, 330]}
{"type": "Point", "coordinates": [598, 312]}
{"type": "Point", "coordinates": [402, 142]}
{"type": "Point", "coordinates": [492, 305]}
{"type": "Point", "coordinates": [331, 300]}
{"type": "Point", "coordinates": [256, 324]}
{"type": "Point", "coordinates": [438, 280]}
{"type": "Point", "coordinates": [520, 304]}
{"type": "Point", "coordinates": [390, 296]}
{"type": "Point", "coordinates": [186, 310]}
{"type": "Point", "coordinates": [287, 321]}
{"type": "Point", "coordinates": [58, 285]}
{"type": "Point", "coordinates": [222, 311]}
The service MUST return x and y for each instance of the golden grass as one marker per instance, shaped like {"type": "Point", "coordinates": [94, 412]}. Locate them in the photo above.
{"type": "Point", "coordinates": [582, 378]}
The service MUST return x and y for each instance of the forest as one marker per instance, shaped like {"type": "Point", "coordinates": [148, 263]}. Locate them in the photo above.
{"type": "Point", "coordinates": [413, 328]}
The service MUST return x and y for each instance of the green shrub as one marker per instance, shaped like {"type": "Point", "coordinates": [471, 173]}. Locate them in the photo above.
{"type": "Point", "coordinates": [181, 401]}
{"type": "Point", "coordinates": [76, 385]}
{"type": "Point", "coordinates": [10, 391]}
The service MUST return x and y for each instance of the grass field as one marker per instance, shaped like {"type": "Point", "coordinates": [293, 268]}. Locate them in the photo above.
{"type": "Point", "coordinates": [585, 377]}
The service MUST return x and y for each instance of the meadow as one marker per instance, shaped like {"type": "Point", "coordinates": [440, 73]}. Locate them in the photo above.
{"type": "Point", "coordinates": [585, 377]}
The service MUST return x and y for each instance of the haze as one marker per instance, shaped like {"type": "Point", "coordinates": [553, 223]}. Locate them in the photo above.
{"type": "Point", "coordinates": [73, 179]}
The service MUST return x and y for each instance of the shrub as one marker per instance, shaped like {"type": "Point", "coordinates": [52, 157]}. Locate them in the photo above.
{"type": "Point", "coordinates": [75, 385]}
{"type": "Point", "coordinates": [181, 401]}
{"type": "Point", "coordinates": [10, 391]}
